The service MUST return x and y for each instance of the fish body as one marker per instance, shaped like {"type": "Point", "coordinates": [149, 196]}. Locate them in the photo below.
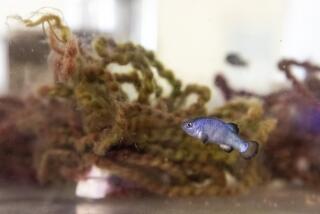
{"type": "Point", "coordinates": [236, 60]}
{"type": "Point", "coordinates": [226, 135]}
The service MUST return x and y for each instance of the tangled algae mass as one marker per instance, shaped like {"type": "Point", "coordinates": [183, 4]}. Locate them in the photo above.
{"type": "Point", "coordinates": [292, 149]}
{"type": "Point", "coordinates": [87, 118]}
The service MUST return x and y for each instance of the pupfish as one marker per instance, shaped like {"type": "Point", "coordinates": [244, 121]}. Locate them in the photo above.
{"type": "Point", "coordinates": [226, 135]}
{"type": "Point", "coordinates": [236, 60]}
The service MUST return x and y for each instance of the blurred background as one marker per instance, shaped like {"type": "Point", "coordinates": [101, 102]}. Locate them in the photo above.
{"type": "Point", "coordinates": [191, 38]}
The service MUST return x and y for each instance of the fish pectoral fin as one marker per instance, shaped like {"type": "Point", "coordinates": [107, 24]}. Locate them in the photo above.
{"type": "Point", "coordinates": [233, 127]}
{"type": "Point", "coordinates": [205, 139]}
{"type": "Point", "coordinates": [226, 148]}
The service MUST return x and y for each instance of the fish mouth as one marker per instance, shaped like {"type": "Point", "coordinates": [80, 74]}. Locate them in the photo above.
{"type": "Point", "coordinates": [183, 127]}
{"type": "Point", "coordinates": [183, 124]}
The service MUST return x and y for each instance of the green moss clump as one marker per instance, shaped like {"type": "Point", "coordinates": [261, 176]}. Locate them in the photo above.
{"type": "Point", "coordinates": [138, 140]}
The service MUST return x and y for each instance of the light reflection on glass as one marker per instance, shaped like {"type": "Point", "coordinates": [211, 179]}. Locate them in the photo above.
{"type": "Point", "coordinates": [3, 67]}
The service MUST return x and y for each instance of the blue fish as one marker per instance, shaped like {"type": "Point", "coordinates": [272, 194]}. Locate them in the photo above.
{"type": "Point", "coordinates": [226, 135]}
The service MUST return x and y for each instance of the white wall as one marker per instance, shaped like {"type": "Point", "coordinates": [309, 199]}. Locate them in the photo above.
{"type": "Point", "coordinates": [302, 30]}
{"type": "Point", "coordinates": [11, 8]}
{"type": "Point", "coordinates": [195, 36]}
{"type": "Point", "coordinates": [93, 14]}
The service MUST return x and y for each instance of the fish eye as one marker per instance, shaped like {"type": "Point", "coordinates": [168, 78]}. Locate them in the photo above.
{"type": "Point", "coordinates": [189, 125]}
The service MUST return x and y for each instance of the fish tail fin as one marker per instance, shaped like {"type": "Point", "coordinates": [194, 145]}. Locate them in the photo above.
{"type": "Point", "coordinates": [251, 151]}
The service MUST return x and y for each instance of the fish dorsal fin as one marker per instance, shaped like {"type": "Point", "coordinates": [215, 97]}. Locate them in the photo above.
{"type": "Point", "coordinates": [233, 127]}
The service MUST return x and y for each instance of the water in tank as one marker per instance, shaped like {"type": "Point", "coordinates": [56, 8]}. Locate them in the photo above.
{"type": "Point", "coordinates": [159, 106]}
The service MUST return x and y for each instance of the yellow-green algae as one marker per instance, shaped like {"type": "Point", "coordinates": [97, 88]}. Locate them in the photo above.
{"type": "Point", "coordinates": [138, 140]}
